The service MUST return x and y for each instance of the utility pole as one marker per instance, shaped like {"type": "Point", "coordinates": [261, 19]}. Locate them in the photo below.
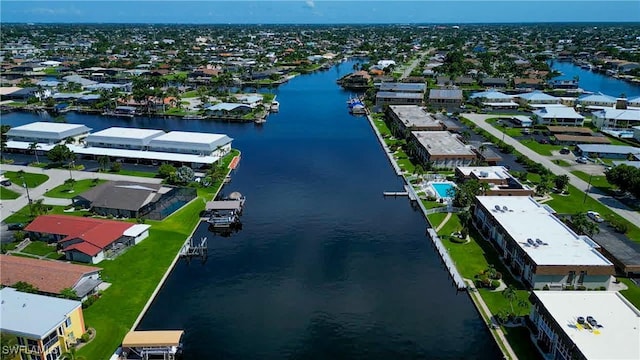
{"type": "Point", "coordinates": [588, 189]}
{"type": "Point", "coordinates": [24, 185]}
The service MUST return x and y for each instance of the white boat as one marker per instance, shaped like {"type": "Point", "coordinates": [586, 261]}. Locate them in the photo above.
{"type": "Point", "coordinates": [275, 106]}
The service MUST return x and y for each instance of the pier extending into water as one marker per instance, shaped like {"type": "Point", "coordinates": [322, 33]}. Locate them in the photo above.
{"type": "Point", "coordinates": [447, 261]}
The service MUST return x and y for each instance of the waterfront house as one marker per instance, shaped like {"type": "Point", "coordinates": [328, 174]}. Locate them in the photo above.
{"type": "Point", "coordinates": [412, 118]}
{"type": "Point", "coordinates": [42, 325]}
{"type": "Point", "coordinates": [419, 88]}
{"type": "Point", "coordinates": [134, 200]}
{"type": "Point", "coordinates": [528, 83]}
{"type": "Point", "coordinates": [85, 239]}
{"type": "Point", "coordinates": [122, 138]}
{"type": "Point", "coordinates": [398, 98]}
{"type": "Point", "coordinates": [195, 143]}
{"type": "Point", "coordinates": [558, 115]}
{"type": "Point", "coordinates": [441, 149]}
{"type": "Point", "coordinates": [50, 277]}
{"type": "Point", "coordinates": [538, 247]}
{"type": "Point", "coordinates": [494, 100]}
{"type": "Point", "coordinates": [228, 109]}
{"type": "Point", "coordinates": [610, 118]}
{"type": "Point", "coordinates": [448, 99]}
{"type": "Point", "coordinates": [563, 84]}
{"type": "Point", "coordinates": [46, 132]}
{"type": "Point", "coordinates": [500, 181]}
{"type": "Point", "coordinates": [585, 325]}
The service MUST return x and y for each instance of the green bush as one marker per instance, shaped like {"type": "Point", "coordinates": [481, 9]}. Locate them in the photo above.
{"type": "Point", "coordinates": [85, 337]}
{"type": "Point", "coordinates": [581, 288]}
{"type": "Point", "coordinates": [569, 287]}
{"type": "Point", "coordinates": [495, 284]}
{"type": "Point", "coordinates": [116, 167]}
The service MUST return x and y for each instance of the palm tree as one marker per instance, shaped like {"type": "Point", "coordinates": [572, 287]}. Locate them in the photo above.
{"type": "Point", "coordinates": [34, 146]}
{"type": "Point", "coordinates": [103, 161]}
{"type": "Point", "coordinates": [70, 182]}
{"type": "Point", "coordinates": [510, 294]}
{"type": "Point", "coordinates": [71, 355]}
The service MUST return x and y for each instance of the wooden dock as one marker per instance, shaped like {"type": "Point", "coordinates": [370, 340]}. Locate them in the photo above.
{"type": "Point", "coordinates": [395, 193]}
{"type": "Point", "coordinates": [192, 249]}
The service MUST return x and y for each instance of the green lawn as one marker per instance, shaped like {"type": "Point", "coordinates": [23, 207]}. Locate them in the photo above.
{"type": "Point", "coordinates": [599, 181]}
{"type": "Point", "coordinates": [521, 343]}
{"type": "Point", "coordinates": [63, 191]}
{"type": "Point", "coordinates": [561, 163]}
{"type": "Point", "coordinates": [510, 131]}
{"type": "Point", "coordinates": [146, 174]}
{"type": "Point", "coordinates": [190, 94]}
{"type": "Point", "coordinates": [7, 194]}
{"type": "Point", "coordinates": [39, 248]}
{"type": "Point", "coordinates": [32, 180]}
{"type": "Point", "coordinates": [577, 202]}
{"type": "Point", "coordinates": [475, 256]}
{"type": "Point", "coordinates": [633, 293]}
{"type": "Point", "coordinates": [436, 219]}
{"type": "Point", "coordinates": [140, 268]}
{"type": "Point", "coordinates": [542, 149]}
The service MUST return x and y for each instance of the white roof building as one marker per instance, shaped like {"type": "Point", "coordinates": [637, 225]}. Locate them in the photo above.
{"type": "Point", "coordinates": [563, 246]}
{"type": "Point", "coordinates": [121, 137]}
{"type": "Point", "coordinates": [560, 115]}
{"type": "Point", "coordinates": [189, 142]}
{"type": "Point", "coordinates": [538, 246]}
{"type": "Point", "coordinates": [31, 315]}
{"type": "Point", "coordinates": [562, 322]}
{"type": "Point", "coordinates": [46, 132]}
{"type": "Point", "coordinates": [616, 118]}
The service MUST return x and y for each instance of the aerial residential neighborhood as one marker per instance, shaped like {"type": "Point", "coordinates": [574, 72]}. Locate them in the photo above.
{"type": "Point", "coordinates": [210, 187]}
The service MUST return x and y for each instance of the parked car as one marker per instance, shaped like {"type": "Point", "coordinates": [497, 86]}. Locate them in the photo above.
{"type": "Point", "coordinates": [6, 182]}
{"type": "Point", "coordinates": [581, 160]}
{"type": "Point", "coordinates": [16, 226]}
{"type": "Point", "coordinates": [595, 216]}
{"type": "Point", "coordinates": [565, 150]}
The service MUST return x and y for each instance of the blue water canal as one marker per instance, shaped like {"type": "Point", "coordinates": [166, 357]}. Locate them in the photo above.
{"type": "Point", "coordinates": [324, 267]}
{"type": "Point", "coordinates": [596, 82]}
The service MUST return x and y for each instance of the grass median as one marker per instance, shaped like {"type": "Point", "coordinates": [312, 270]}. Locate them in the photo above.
{"type": "Point", "coordinates": [32, 180]}
{"type": "Point", "coordinates": [67, 192]}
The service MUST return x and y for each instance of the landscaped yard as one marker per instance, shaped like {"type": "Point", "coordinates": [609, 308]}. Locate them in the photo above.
{"type": "Point", "coordinates": [633, 293]}
{"type": "Point", "coordinates": [38, 248]}
{"type": "Point", "coordinates": [146, 174]}
{"type": "Point", "coordinates": [599, 181]}
{"type": "Point", "coordinates": [140, 268]}
{"type": "Point", "coordinates": [7, 194]}
{"type": "Point", "coordinates": [542, 149]}
{"type": "Point", "coordinates": [64, 191]}
{"type": "Point", "coordinates": [475, 256]}
{"type": "Point", "coordinates": [32, 180]}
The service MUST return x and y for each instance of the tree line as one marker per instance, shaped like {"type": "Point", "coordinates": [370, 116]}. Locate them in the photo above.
{"type": "Point", "coordinates": [626, 178]}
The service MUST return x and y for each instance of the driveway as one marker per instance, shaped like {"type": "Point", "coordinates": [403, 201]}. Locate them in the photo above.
{"type": "Point", "coordinates": [613, 204]}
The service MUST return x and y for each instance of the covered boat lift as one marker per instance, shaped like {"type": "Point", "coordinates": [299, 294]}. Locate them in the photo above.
{"type": "Point", "coordinates": [162, 344]}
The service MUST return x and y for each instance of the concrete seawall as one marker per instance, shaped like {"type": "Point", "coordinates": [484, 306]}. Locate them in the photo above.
{"type": "Point", "coordinates": [431, 234]}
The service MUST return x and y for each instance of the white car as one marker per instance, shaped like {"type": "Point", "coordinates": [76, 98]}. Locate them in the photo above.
{"type": "Point", "coordinates": [595, 216]}
{"type": "Point", "coordinates": [581, 160]}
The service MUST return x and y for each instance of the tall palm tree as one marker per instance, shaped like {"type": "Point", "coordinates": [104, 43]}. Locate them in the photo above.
{"type": "Point", "coordinates": [34, 146]}
{"type": "Point", "coordinates": [510, 294]}
{"type": "Point", "coordinates": [103, 161]}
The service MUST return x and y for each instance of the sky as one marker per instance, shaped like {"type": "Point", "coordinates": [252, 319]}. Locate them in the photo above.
{"type": "Point", "coordinates": [318, 11]}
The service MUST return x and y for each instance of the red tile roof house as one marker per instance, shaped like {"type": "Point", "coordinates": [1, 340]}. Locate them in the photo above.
{"type": "Point", "coordinates": [48, 276]}
{"type": "Point", "coordinates": [87, 240]}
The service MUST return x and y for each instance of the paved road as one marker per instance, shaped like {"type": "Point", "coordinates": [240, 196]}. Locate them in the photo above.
{"type": "Point", "coordinates": [56, 178]}
{"type": "Point", "coordinates": [610, 202]}
{"type": "Point", "coordinates": [407, 71]}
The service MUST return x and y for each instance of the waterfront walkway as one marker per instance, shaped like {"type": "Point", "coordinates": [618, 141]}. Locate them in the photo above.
{"type": "Point", "coordinates": [495, 329]}
{"type": "Point", "coordinates": [57, 177]}
{"type": "Point", "coordinates": [608, 201]}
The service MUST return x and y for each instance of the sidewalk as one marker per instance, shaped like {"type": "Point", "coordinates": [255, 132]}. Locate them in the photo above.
{"type": "Point", "coordinates": [494, 327]}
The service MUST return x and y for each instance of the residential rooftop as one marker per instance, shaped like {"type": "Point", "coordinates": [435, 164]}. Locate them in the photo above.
{"type": "Point", "coordinates": [442, 143]}
{"type": "Point", "coordinates": [523, 219]}
{"type": "Point", "coordinates": [31, 315]}
{"type": "Point", "coordinates": [123, 133]}
{"type": "Point", "coordinates": [414, 116]}
{"type": "Point", "coordinates": [618, 335]}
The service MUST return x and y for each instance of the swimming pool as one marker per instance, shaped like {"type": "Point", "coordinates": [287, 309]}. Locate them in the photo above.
{"type": "Point", "coordinates": [442, 189]}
